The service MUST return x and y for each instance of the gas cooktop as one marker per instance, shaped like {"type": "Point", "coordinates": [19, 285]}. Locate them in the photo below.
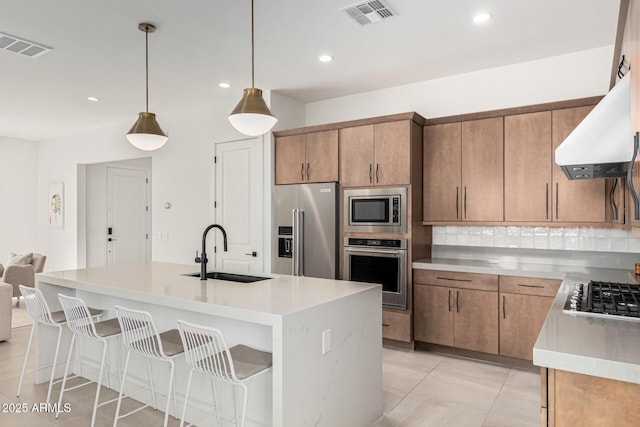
{"type": "Point", "coordinates": [605, 299]}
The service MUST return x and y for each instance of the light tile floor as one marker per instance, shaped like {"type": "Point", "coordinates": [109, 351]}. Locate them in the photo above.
{"type": "Point", "coordinates": [420, 389]}
{"type": "Point", "coordinates": [423, 389]}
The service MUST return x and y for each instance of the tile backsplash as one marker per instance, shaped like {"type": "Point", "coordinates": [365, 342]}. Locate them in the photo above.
{"type": "Point", "coordinates": [557, 238]}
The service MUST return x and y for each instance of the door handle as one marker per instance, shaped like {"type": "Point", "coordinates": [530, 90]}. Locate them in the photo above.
{"type": "Point", "coordinates": [377, 175]}
{"type": "Point", "coordinates": [556, 200]}
{"type": "Point", "coordinates": [457, 198]}
{"type": "Point", "coordinates": [547, 201]}
{"type": "Point", "coordinates": [449, 300]}
{"type": "Point", "coordinates": [504, 310]}
{"type": "Point", "coordinates": [253, 254]}
{"type": "Point", "coordinates": [302, 172]}
{"type": "Point", "coordinates": [307, 171]}
{"type": "Point", "coordinates": [457, 301]}
{"type": "Point", "coordinates": [111, 239]}
{"type": "Point", "coordinates": [465, 202]}
{"type": "Point", "coordinates": [370, 173]}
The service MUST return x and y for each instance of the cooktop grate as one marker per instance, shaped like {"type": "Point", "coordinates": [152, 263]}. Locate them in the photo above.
{"type": "Point", "coordinates": [621, 299]}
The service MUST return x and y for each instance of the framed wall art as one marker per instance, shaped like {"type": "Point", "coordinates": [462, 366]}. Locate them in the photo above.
{"type": "Point", "coordinates": [56, 205]}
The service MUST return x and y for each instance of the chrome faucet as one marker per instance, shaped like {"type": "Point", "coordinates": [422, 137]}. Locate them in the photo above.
{"type": "Point", "coordinates": [202, 259]}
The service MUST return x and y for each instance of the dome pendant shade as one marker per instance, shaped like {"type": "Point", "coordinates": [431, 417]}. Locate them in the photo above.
{"type": "Point", "coordinates": [145, 134]}
{"type": "Point", "coordinates": [251, 116]}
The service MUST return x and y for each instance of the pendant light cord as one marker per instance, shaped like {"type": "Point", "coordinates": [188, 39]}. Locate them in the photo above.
{"type": "Point", "coordinates": [252, 48]}
{"type": "Point", "coordinates": [146, 47]}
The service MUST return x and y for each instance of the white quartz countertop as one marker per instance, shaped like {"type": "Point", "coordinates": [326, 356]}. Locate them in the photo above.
{"type": "Point", "coordinates": [165, 284]}
{"type": "Point", "coordinates": [602, 347]}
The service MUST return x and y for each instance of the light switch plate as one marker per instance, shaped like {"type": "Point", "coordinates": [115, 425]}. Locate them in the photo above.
{"type": "Point", "coordinates": [326, 341]}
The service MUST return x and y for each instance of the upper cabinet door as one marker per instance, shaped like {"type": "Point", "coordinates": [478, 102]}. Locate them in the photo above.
{"type": "Point", "coordinates": [321, 152]}
{"type": "Point", "coordinates": [356, 156]}
{"type": "Point", "coordinates": [442, 172]}
{"type": "Point", "coordinates": [527, 167]}
{"type": "Point", "coordinates": [392, 153]}
{"type": "Point", "coordinates": [290, 159]}
{"type": "Point", "coordinates": [574, 200]}
{"type": "Point", "coordinates": [482, 170]}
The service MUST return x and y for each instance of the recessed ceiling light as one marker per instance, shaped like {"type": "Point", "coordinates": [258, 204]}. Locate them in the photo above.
{"type": "Point", "coordinates": [481, 17]}
{"type": "Point", "coordinates": [325, 58]}
{"type": "Point", "coordinates": [93, 98]}
{"type": "Point", "coordinates": [224, 85]}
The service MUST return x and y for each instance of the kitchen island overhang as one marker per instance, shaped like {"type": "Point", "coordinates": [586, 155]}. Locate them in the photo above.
{"type": "Point", "coordinates": [286, 315]}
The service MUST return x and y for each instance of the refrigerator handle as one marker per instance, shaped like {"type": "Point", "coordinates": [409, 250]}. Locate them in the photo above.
{"type": "Point", "coordinates": [298, 242]}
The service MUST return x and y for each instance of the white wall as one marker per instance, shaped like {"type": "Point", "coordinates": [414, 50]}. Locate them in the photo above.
{"type": "Point", "coordinates": [577, 75]}
{"type": "Point", "coordinates": [181, 175]}
{"type": "Point", "coordinates": [18, 195]}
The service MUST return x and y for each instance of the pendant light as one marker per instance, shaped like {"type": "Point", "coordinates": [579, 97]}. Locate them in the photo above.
{"type": "Point", "coordinates": [252, 116]}
{"type": "Point", "coordinates": [145, 133]}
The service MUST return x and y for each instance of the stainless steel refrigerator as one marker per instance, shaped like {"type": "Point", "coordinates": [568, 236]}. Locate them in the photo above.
{"type": "Point", "coordinates": [305, 230]}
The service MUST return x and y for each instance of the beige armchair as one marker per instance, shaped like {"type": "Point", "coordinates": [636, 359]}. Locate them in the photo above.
{"type": "Point", "coordinates": [16, 274]}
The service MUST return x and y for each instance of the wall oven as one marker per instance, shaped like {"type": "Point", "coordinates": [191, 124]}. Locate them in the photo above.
{"type": "Point", "coordinates": [375, 210]}
{"type": "Point", "coordinates": [381, 261]}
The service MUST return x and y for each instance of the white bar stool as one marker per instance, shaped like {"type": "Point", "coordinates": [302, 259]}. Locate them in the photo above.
{"type": "Point", "coordinates": [39, 311]}
{"type": "Point", "coordinates": [81, 324]}
{"type": "Point", "coordinates": [207, 352]}
{"type": "Point", "coordinates": [141, 336]}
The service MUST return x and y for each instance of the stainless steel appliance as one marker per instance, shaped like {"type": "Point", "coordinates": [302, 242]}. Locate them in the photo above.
{"type": "Point", "coordinates": [375, 210]}
{"type": "Point", "coordinates": [381, 261]}
{"type": "Point", "coordinates": [604, 299]}
{"type": "Point", "coordinates": [305, 230]}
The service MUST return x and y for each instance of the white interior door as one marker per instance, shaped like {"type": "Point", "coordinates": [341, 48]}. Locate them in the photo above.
{"type": "Point", "coordinates": [238, 204]}
{"type": "Point", "coordinates": [127, 216]}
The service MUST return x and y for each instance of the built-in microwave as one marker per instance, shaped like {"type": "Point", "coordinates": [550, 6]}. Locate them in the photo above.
{"type": "Point", "coordinates": [375, 210]}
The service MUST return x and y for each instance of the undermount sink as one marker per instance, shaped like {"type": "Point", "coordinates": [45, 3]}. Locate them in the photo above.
{"type": "Point", "coordinates": [230, 277]}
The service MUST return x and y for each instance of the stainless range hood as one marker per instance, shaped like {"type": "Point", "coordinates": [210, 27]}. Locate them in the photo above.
{"type": "Point", "coordinates": [601, 146]}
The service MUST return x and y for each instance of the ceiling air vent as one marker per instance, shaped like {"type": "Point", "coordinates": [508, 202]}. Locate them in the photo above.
{"type": "Point", "coordinates": [369, 12]}
{"type": "Point", "coordinates": [21, 46]}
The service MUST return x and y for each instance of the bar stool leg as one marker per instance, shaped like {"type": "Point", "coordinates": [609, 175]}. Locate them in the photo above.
{"type": "Point", "coordinates": [153, 391]}
{"type": "Point", "coordinates": [102, 368]}
{"type": "Point", "coordinates": [64, 378]}
{"type": "Point", "coordinates": [244, 404]}
{"type": "Point", "coordinates": [55, 362]}
{"type": "Point", "coordinates": [166, 413]}
{"type": "Point", "coordinates": [215, 400]}
{"type": "Point", "coordinates": [124, 376]}
{"type": "Point", "coordinates": [186, 398]}
{"type": "Point", "coordinates": [26, 357]}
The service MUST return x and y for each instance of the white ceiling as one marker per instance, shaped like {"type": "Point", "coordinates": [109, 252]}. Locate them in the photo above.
{"type": "Point", "coordinates": [99, 51]}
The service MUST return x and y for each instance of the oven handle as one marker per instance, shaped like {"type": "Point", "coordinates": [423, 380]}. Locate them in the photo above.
{"type": "Point", "coordinates": [353, 249]}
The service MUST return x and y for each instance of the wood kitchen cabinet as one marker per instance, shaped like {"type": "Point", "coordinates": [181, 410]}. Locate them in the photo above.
{"type": "Point", "coordinates": [574, 200]}
{"type": "Point", "coordinates": [377, 154]}
{"type": "Point", "coordinates": [524, 305]}
{"type": "Point", "coordinates": [456, 309]}
{"type": "Point", "coordinates": [442, 172]}
{"type": "Point", "coordinates": [463, 171]}
{"type": "Point", "coordinates": [573, 399]}
{"type": "Point", "coordinates": [311, 157]}
{"type": "Point", "coordinates": [527, 167]}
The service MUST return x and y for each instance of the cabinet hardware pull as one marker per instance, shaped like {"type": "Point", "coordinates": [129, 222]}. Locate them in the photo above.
{"type": "Point", "coordinates": [504, 311]}
{"type": "Point", "coordinates": [307, 171]}
{"type": "Point", "coordinates": [385, 324]}
{"type": "Point", "coordinates": [377, 175]}
{"type": "Point", "coordinates": [457, 301]}
{"type": "Point", "coordinates": [449, 300]}
{"type": "Point", "coordinates": [370, 173]}
{"type": "Point", "coordinates": [547, 201]}
{"type": "Point", "coordinates": [457, 197]}
{"type": "Point", "coordinates": [612, 200]}
{"type": "Point", "coordinates": [556, 200]}
{"type": "Point", "coordinates": [302, 172]}
{"type": "Point", "coordinates": [454, 280]}
{"type": "Point", "coordinates": [465, 202]}
{"type": "Point", "coordinates": [530, 286]}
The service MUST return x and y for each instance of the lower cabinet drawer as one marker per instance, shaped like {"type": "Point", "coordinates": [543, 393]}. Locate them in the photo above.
{"type": "Point", "coordinates": [396, 326]}
{"type": "Point", "coordinates": [529, 285]}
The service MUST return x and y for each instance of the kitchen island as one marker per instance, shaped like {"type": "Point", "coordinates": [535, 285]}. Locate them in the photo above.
{"type": "Point", "coordinates": [335, 381]}
{"type": "Point", "coordinates": [590, 365]}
